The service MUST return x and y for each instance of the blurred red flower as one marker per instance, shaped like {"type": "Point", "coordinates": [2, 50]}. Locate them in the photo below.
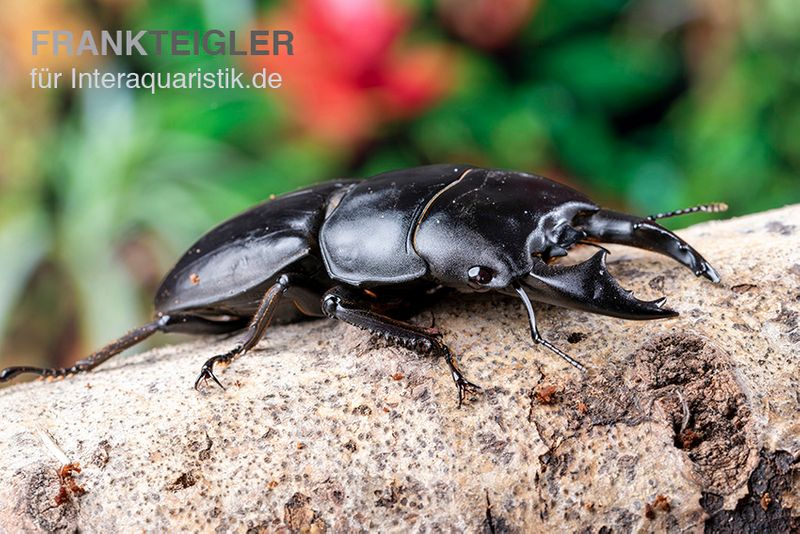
{"type": "Point", "coordinates": [353, 69]}
{"type": "Point", "coordinates": [487, 24]}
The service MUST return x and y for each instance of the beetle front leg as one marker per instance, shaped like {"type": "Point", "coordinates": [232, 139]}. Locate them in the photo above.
{"type": "Point", "coordinates": [342, 304]}
{"type": "Point", "coordinates": [537, 338]}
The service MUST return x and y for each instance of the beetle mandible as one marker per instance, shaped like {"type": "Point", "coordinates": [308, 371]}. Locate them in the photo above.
{"type": "Point", "coordinates": [369, 252]}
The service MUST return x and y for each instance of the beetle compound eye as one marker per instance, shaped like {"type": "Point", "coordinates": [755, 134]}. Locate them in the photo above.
{"type": "Point", "coordinates": [480, 275]}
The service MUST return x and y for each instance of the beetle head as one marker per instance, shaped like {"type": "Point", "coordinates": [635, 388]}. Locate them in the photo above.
{"type": "Point", "coordinates": [498, 230]}
{"type": "Point", "coordinates": [482, 231]}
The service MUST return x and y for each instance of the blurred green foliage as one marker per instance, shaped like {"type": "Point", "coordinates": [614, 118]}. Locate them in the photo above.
{"type": "Point", "coordinates": [644, 105]}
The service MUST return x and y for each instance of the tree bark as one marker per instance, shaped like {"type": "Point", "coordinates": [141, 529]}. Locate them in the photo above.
{"type": "Point", "coordinates": [690, 423]}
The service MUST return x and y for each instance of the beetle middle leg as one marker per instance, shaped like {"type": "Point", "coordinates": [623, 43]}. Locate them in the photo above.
{"type": "Point", "coordinates": [343, 304]}
{"type": "Point", "coordinates": [286, 285]}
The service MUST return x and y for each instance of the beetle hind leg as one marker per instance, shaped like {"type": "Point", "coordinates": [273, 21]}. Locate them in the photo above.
{"type": "Point", "coordinates": [342, 304]}
{"type": "Point", "coordinates": [183, 323]}
{"type": "Point", "coordinates": [90, 362]}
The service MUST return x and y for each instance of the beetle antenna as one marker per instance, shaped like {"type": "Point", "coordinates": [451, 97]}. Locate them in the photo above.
{"type": "Point", "coordinates": [714, 207]}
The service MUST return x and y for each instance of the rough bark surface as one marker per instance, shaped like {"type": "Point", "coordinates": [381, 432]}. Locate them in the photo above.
{"type": "Point", "coordinates": [685, 424]}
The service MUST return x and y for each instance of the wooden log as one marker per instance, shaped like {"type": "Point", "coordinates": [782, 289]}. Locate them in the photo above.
{"type": "Point", "coordinates": [682, 424]}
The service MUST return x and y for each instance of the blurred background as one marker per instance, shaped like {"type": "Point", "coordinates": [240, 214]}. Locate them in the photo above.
{"type": "Point", "coordinates": [646, 105]}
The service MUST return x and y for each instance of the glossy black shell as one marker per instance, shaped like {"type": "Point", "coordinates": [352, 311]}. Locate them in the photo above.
{"type": "Point", "coordinates": [498, 219]}
{"type": "Point", "coordinates": [227, 270]}
{"type": "Point", "coordinates": [401, 236]}
{"type": "Point", "coordinates": [426, 223]}
{"type": "Point", "coordinates": [367, 236]}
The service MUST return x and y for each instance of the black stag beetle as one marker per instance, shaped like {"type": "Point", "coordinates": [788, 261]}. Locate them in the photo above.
{"type": "Point", "coordinates": [362, 251]}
